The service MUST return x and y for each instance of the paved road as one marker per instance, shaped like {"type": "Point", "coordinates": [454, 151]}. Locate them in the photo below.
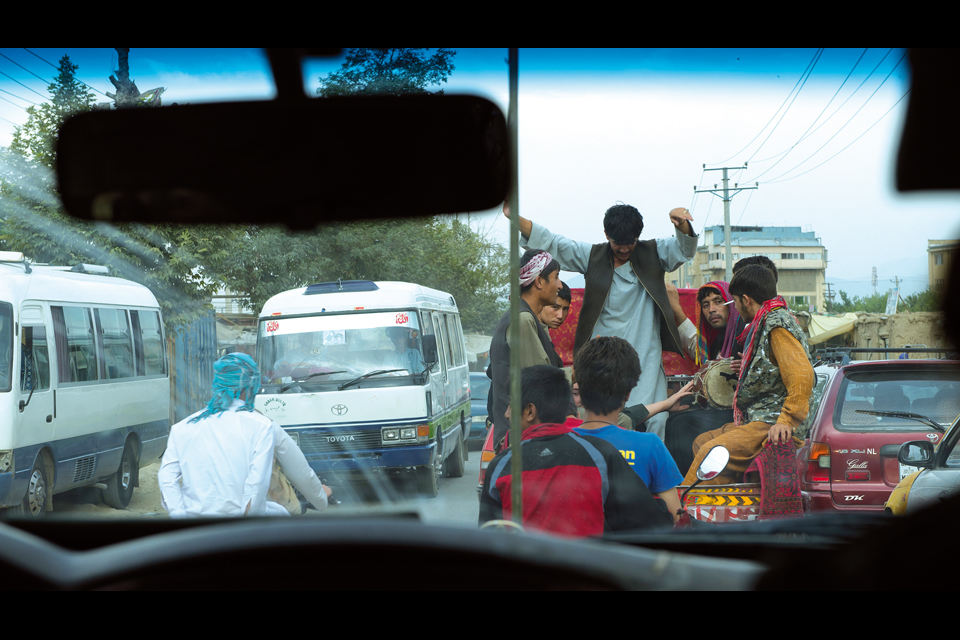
{"type": "Point", "coordinates": [457, 502]}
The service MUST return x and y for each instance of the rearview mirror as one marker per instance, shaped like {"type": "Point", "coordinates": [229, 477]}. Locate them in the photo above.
{"type": "Point", "coordinates": [296, 162]}
{"type": "Point", "coordinates": [917, 453]}
{"type": "Point", "coordinates": [715, 462]}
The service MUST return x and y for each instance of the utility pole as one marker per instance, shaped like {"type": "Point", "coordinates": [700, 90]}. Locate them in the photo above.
{"type": "Point", "coordinates": [516, 464]}
{"type": "Point", "coordinates": [873, 281]}
{"type": "Point", "coordinates": [726, 209]}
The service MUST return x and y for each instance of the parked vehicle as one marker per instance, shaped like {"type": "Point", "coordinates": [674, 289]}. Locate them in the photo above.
{"type": "Point", "coordinates": [851, 453]}
{"type": "Point", "coordinates": [480, 421]}
{"type": "Point", "coordinates": [84, 385]}
{"type": "Point", "coordinates": [370, 378]}
{"type": "Point", "coordinates": [937, 475]}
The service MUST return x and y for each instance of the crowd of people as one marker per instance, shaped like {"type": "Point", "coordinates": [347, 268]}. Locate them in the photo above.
{"type": "Point", "coordinates": [573, 483]}
{"type": "Point", "coordinates": [598, 455]}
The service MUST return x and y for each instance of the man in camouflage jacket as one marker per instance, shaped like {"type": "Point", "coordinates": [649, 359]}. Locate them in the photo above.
{"type": "Point", "coordinates": [775, 390]}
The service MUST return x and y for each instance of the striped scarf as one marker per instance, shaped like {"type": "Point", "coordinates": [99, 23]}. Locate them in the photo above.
{"type": "Point", "coordinates": [749, 338]}
{"type": "Point", "coordinates": [706, 334]}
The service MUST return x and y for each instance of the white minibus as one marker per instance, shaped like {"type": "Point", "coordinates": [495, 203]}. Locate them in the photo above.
{"type": "Point", "coordinates": [370, 378]}
{"type": "Point", "coordinates": [84, 386]}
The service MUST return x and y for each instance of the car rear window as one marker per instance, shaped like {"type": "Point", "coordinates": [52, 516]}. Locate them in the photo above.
{"type": "Point", "coordinates": [934, 394]}
{"type": "Point", "coordinates": [479, 388]}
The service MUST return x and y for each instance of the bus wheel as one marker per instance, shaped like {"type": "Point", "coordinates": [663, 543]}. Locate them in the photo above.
{"type": "Point", "coordinates": [428, 476]}
{"type": "Point", "coordinates": [120, 486]}
{"type": "Point", "coordinates": [34, 504]}
{"type": "Point", "coordinates": [454, 462]}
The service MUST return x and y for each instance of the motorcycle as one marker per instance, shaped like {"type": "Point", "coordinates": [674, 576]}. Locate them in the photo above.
{"type": "Point", "coordinates": [713, 464]}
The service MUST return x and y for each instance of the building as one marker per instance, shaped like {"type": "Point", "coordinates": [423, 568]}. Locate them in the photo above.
{"type": "Point", "coordinates": [939, 254]}
{"type": "Point", "coordinates": [800, 258]}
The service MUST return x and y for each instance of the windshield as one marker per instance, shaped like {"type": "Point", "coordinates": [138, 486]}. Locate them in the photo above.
{"type": "Point", "coordinates": [340, 346]}
{"type": "Point", "coordinates": [934, 394]}
{"type": "Point", "coordinates": [804, 141]}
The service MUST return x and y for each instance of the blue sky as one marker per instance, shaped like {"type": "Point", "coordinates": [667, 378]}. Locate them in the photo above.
{"type": "Point", "coordinates": [636, 126]}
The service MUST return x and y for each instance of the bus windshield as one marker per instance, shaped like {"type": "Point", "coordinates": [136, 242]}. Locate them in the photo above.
{"type": "Point", "coordinates": [331, 347]}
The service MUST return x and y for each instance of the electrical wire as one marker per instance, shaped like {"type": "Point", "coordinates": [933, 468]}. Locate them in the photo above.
{"type": "Point", "coordinates": [869, 75]}
{"type": "Point", "coordinates": [17, 97]}
{"type": "Point", "coordinates": [58, 68]}
{"type": "Point", "coordinates": [23, 85]}
{"type": "Point", "coordinates": [846, 147]}
{"type": "Point", "coordinates": [804, 136]}
{"type": "Point", "coordinates": [777, 179]}
{"type": "Point", "coordinates": [797, 94]}
{"type": "Point", "coordinates": [802, 76]}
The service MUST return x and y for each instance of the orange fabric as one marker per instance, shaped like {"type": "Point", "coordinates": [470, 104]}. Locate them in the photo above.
{"type": "Point", "coordinates": [745, 442]}
{"type": "Point", "coordinates": [673, 363]}
{"type": "Point", "coordinates": [797, 374]}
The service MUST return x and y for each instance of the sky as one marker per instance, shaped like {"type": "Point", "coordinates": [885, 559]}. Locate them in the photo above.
{"type": "Point", "coordinates": [599, 127]}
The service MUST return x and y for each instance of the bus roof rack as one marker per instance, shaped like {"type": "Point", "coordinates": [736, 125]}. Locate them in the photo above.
{"type": "Point", "coordinates": [340, 286]}
{"type": "Point", "coordinates": [90, 268]}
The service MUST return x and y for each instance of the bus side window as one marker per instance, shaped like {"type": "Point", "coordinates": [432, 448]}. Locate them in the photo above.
{"type": "Point", "coordinates": [76, 349]}
{"type": "Point", "coordinates": [34, 360]}
{"type": "Point", "coordinates": [115, 339]}
{"type": "Point", "coordinates": [148, 337]}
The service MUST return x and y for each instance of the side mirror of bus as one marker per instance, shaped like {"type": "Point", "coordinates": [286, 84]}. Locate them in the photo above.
{"type": "Point", "coordinates": [430, 349]}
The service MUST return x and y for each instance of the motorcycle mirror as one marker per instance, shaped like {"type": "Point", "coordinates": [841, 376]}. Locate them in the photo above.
{"type": "Point", "coordinates": [715, 462]}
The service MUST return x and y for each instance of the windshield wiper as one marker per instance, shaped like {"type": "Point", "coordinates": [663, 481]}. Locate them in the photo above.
{"type": "Point", "coordinates": [299, 380]}
{"type": "Point", "coordinates": [905, 415]}
{"type": "Point", "coordinates": [367, 375]}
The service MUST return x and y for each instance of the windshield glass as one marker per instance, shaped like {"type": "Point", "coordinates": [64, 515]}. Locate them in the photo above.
{"type": "Point", "coordinates": [803, 140]}
{"type": "Point", "coordinates": [342, 346]}
{"type": "Point", "coordinates": [934, 394]}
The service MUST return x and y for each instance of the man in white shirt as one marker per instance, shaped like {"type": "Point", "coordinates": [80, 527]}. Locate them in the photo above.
{"type": "Point", "coordinates": [219, 461]}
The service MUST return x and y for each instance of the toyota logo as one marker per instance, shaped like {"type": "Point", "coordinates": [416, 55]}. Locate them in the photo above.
{"type": "Point", "coordinates": [338, 409]}
{"type": "Point", "coordinates": [933, 436]}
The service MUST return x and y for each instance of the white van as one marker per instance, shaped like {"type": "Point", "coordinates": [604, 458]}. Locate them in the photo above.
{"type": "Point", "coordinates": [84, 388]}
{"type": "Point", "coordinates": [370, 378]}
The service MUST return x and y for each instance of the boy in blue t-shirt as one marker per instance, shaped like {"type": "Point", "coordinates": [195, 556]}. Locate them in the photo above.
{"type": "Point", "coordinates": [607, 370]}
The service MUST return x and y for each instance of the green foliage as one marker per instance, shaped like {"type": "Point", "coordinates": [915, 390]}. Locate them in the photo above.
{"type": "Point", "coordinates": [928, 300]}
{"type": "Point", "coordinates": [168, 259]}
{"type": "Point", "coordinates": [388, 72]}
{"type": "Point", "coordinates": [444, 254]}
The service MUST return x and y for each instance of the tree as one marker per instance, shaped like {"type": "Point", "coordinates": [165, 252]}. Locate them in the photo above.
{"type": "Point", "coordinates": [388, 72]}
{"type": "Point", "coordinates": [168, 259]}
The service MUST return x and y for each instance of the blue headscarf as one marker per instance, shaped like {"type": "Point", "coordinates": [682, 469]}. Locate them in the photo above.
{"type": "Point", "coordinates": [233, 374]}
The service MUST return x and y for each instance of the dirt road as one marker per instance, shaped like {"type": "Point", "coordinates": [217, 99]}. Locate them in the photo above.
{"type": "Point", "coordinates": [85, 502]}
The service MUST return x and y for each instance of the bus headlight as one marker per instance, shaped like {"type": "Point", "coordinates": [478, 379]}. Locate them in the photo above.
{"type": "Point", "coordinates": [408, 434]}
{"type": "Point", "coordinates": [391, 435]}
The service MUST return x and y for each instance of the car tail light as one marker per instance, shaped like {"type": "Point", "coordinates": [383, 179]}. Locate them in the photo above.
{"type": "Point", "coordinates": [858, 475]}
{"type": "Point", "coordinates": [818, 463]}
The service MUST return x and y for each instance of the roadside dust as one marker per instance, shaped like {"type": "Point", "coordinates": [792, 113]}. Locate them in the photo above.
{"type": "Point", "coordinates": [86, 502]}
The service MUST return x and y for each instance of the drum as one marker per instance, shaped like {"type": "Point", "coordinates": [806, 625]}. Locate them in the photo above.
{"type": "Point", "coordinates": [714, 385]}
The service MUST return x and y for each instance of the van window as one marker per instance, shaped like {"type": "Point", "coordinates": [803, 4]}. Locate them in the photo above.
{"type": "Point", "coordinates": [6, 345]}
{"type": "Point", "coordinates": [34, 360]}
{"type": "Point", "coordinates": [116, 342]}
{"type": "Point", "coordinates": [76, 346]}
{"type": "Point", "coordinates": [148, 338]}
{"type": "Point", "coordinates": [456, 355]}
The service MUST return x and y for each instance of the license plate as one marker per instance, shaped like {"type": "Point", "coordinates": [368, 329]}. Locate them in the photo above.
{"type": "Point", "coordinates": [906, 470]}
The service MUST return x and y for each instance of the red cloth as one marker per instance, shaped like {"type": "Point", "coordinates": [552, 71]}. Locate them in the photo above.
{"type": "Point", "coordinates": [780, 473]}
{"type": "Point", "coordinates": [673, 363]}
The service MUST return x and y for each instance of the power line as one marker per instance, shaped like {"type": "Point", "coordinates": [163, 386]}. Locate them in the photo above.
{"type": "Point", "coordinates": [846, 147]}
{"type": "Point", "coordinates": [775, 113]}
{"type": "Point", "coordinates": [23, 85]}
{"type": "Point", "coordinates": [869, 75]}
{"type": "Point", "coordinates": [17, 97]}
{"type": "Point", "coordinates": [804, 136]}
{"type": "Point", "coordinates": [77, 79]}
{"type": "Point", "coordinates": [777, 179]}
{"type": "Point", "coordinates": [816, 60]}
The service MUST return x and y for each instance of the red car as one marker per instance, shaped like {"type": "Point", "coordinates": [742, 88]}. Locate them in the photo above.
{"type": "Point", "coordinates": [851, 455]}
